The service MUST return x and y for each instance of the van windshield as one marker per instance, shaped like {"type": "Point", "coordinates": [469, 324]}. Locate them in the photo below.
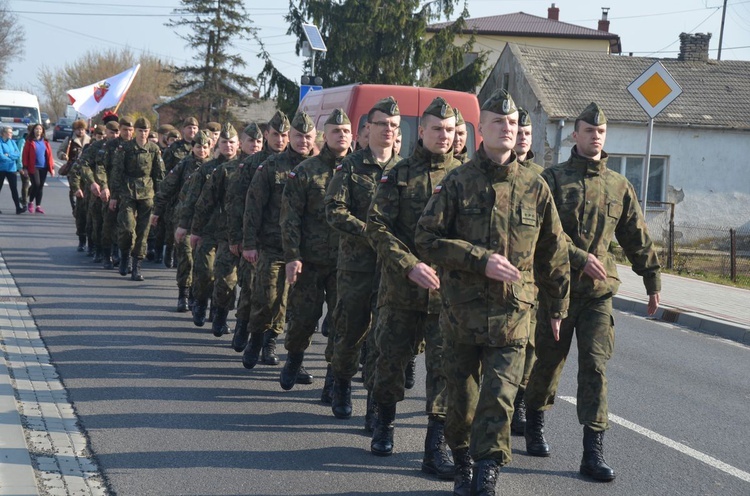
{"type": "Point", "coordinates": [27, 115]}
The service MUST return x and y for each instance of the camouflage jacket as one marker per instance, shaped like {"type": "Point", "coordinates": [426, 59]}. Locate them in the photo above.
{"type": "Point", "coordinates": [597, 205]}
{"type": "Point", "coordinates": [529, 163]}
{"type": "Point", "coordinates": [175, 153]}
{"type": "Point", "coordinates": [210, 209]}
{"type": "Point", "coordinates": [239, 183]}
{"type": "Point", "coordinates": [483, 208]}
{"type": "Point", "coordinates": [305, 233]}
{"type": "Point", "coordinates": [462, 156]}
{"type": "Point", "coordinates": [104, 160]}
{"type": "Point", "coordinates": [169, 190]}
{"type": "Point", "coordinates": [263, 201]}
{"type": "Point", "coordinates": [398, 203]}
{"type": "Point", "coordinates": [136, 171]}
{"type": "Point", "coordinates": [83, 171]}
{"type": "Point", "coordinates": [348, 201]}
{"type": "Point", "coordinates": [194, 188]}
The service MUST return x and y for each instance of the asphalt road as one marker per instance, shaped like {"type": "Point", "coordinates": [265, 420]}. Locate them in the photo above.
{"type": "Point", "coordinates": [169, 409]}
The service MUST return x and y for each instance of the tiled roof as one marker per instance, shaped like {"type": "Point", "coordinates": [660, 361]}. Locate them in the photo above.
{"type": "Point", "coordinates": [715, 93]}
{"type": "Point", "coordinates": [522, 24]}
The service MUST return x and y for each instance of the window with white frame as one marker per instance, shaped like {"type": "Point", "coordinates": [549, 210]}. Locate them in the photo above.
{"type": "Point", "coordinates": [631, 166]}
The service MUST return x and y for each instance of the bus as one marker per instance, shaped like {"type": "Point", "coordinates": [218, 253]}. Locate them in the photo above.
{"type": "Point", "coordinates": [18, 109]}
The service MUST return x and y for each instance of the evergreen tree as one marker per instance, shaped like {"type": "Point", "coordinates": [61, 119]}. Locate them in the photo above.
{"type": "Point", "coordinates": [213, 26]}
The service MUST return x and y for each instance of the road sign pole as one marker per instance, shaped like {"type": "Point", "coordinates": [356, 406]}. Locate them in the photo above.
{"type": "Point", "coordinates": [647, 165]}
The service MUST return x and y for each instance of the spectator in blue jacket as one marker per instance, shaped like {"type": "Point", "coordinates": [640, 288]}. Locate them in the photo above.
{"type": "Point", "coordinates": [9, 155]}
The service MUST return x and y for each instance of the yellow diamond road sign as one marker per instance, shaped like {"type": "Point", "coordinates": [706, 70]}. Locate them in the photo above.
{"type": "Point", "coordinates": [655, 89]}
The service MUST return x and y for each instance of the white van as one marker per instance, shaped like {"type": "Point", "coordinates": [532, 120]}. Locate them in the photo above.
{"type": "Point", "coordinates": [18, 109]}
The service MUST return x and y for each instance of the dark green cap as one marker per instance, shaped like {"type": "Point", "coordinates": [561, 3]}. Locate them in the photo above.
{"type": "Point", "coordinates": [214, 127]}
{"type": "Point", "coordinates": [190, 121]}
{"type": "Point", "coordinates": [524, 119]}
{"type": "Point", "coordinates": [228, 131]}
{"type": "Point", "coordinates": [593, 114]}
{"type": "Point", "coordinates": [202, 138]}
{"type": "Point", "coordinates": [253, 131]}
{"type": "Point", "coordinates": [126, 121]}
{"type": "Point", "coordinates": [280, 122]}
{"type": "Point", "coordinates": [99, 129]}
{"type": "Point", "coordinates": [388, 106]}
{"type": "Point", "coordinates": [173, 133]}
{"type": "Point", "coordinates": [142, 123]}
{"type": "Point", "coordinates": [459, 117]}
{"type": "Point", "coordinates": [165, 128]}
{"type": "Point", "coordinates": [500, 102]}
{"type": "Point", "coordinates": [439, 108]}
{"type": "Point", "coordinates": [113, 126]}
{"type": "Point", "coordinates": [338, 118]}
{"type": "Point", "coordinates": [302, 122]}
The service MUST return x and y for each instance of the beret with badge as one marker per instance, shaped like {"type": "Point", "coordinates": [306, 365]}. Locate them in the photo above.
{"type": "Point", "coordinates": [252, 131]}
{"type": "Point", "coordinates": [593, 114]}
{"type": "Point", "coordinates": [302, 122]}
{"type": "Point", "coordinates": [280, 122]}
{"type": "Point", "coordinates": [228, 131]}
{"type": "Point", "coordinates": [388, 106]}
{"type": "Point", "coordinates": [440, 109]}
{"type": "Point", "coordinates": [338, 118]}
{"type": "Point", "coordinates": [500, 102]}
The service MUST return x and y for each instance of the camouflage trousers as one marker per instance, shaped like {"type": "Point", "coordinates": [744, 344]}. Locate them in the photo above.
{"type": "Point", "coordinates": [352, 316]}
{"type": "Point", "coordinates": [268, 296]}
{"type": "Point", "coordinates": [245, 277]}
{"type": "Point", "coordinates": [203, 268]}
{"type": "Point", "coordinates": [479, 417]}
{"type": "Point", "coordinates": [592, 322]}
{"type": "Point", "coordinates": [95, 219]}
{"type": "Point", "coordinates": [371, 357]}
{"type": "Point", "coordinates": [81, 213]}
{"type": "Point", "coordinates": [183, 256]}
{"type": "Point", "coordinates": [133, 226]}
{"type": "Point", "coordinates": [399, 331]}
{"type": "Point", "coordinates": [109, 225]}
{"type": "Point", "coordinates": [529, 350]}
{"type": "Point", "coordinates": [315, 285]}
{"type": "Point", "coordinates": [225, 276]}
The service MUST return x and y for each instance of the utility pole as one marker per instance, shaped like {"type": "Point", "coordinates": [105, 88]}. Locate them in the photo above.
{"type": "Point", "coordinates": [721, 31]}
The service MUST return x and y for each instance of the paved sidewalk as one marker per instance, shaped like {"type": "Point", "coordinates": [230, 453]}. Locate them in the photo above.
{"type": "Point", "coordinates": [702, 306]}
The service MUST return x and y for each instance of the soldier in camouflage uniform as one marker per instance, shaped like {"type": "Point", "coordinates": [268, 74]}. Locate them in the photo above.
{"type": "Point", "coordinates": [310, 245]}
{"type": "Point", "coordinates": [262, 246]}
{"type": "Point", "coordinates": [459, 140]}
{"type": "Point", "coordinates": [347, 202]}
{"type": "Point", "coordinates": [488, 226]}
{"type": "Point", "coordinates": [596, 205]}
{"type": "Point", "coordinates": [409, 302]}
{"type": "Point", "coordinates": [70, 151]}
{"type": "Point", "coordinates": [137, 171]}
{"type": "Point", "coordinates": [171, 191]}
{"type": "Point", "coordinates": [80, 180]}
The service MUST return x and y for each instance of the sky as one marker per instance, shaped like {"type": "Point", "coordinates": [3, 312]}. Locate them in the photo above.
{"type": "Point", "coordinates": [61, 31]}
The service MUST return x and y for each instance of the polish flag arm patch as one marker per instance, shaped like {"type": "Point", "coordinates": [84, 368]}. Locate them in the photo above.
{"type": "Point", "coordinates": [437, 189]}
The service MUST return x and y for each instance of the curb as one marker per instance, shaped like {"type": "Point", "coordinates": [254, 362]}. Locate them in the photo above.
{"type": "Point", "coordinates": [697, 322]}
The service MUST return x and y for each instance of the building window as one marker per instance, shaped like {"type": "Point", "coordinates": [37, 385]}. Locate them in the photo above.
{"type": "Point", "coordinates": [506, 81]}
{"type": "Point", "coordinates": [631, 166]}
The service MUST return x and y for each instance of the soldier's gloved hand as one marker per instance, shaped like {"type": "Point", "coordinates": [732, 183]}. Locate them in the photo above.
{"type": "Point", "coordinates": [195, 240]}
{"type": "Point", "coordinates": [594, 268]}
{"type": "Point", "coordinates": [104, 195]}
{"type": "Point", "coordinates": [653, 303]}
{"type": "Point", "coordinates": [500, 269]}
{"type": "Point", "coordinates": [292, 270]}
{"type": "Point", "coordinates": [154, 220]}
{"type": "Point", "coordinates": [234, 250]}
{"type": "Point", "coordinates": [95, 189]}
{"type": "Point", "coordinates": [556, 323]}
{"type": "Point", "coordinates": [112, 205]}
{"type": "Point", "coordinates": [179, 234]}
{"type": "Point", "coordinates": [250, 255]}
{"type": "Point", "coordinates": [424, 276]}
{"type": "Point", "coordinates": [79, 193]}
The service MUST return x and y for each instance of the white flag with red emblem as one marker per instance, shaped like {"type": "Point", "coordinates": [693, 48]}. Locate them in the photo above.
{"type": "Point", "coordinates": [94, 98]}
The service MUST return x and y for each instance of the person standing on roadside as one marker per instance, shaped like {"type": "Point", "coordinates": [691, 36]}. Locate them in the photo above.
{"type": "Point", "coordinates": [9, 155]}
{"type": "Point", "coordinates": [38, 162]}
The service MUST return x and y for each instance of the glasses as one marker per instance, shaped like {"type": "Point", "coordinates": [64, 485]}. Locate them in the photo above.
{"type": "Point", "coordinates": [382, 124]}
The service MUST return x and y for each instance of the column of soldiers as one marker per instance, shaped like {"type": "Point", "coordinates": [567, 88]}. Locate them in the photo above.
{"type": "Point", "coordinates": [489, 264]}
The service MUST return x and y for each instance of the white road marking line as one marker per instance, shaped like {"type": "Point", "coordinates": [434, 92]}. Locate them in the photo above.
{"type": "Point", "coordinates": [687, 450]}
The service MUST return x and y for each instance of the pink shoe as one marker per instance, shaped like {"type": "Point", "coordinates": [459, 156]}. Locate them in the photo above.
{"type": "Point", "coordinates": [31, 208]}
{"type": "Point", "coordinates": [39, 209]}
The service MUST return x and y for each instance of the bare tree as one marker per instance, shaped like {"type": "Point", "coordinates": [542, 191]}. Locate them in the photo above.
{"type": "Point", "coordinates": [52, 92]}
{"type": "Point", "coordinates": [12, 38]}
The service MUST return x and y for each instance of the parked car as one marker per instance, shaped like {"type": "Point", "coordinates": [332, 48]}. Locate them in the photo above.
{"type": "Point", "coordinates": [63, 129]}
{"type": "Point", "coordinates": [45, 120]}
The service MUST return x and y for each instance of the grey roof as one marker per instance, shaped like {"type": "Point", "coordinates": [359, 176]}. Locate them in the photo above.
{"type": "Point", "coordinates": [715, 93]}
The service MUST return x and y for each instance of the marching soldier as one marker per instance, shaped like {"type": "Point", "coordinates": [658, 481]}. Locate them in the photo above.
{"type": "Point", "coordinates": [70, 150]}
{"type": "Point", "coordinates": [459, 140]}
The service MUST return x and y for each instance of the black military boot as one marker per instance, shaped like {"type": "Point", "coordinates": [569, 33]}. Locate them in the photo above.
{"type": "Point", "coordinates": [484, 478]}
{"type": "Point", "coordinates": [325, 326]}
{"type": "Point", "coordinates": [462, 477]}
{"type": "Point", "coordinates": [436, 460]}
{"type": "Point", "coordinates": [81, 243]}
{"type": "Point", "coordinates": [169, 256]}
{"type": "Point", "coordinates": [371, 414]}
{"type": "Point", "coordinates": [341, 406]}
{"type": "Point", "coordinates": [211, 312]}
{"type": "Point", "coordinates": [518, 422]}
{"type": "Point", "coordinates": [182, 299]}
{"type": "Point", "coordinates": [536, 445]}
{"type": "Point", "coordinates": [327, 395]}
{"type": "Point", "coordinates": [98, 255]}
{"type": "Point", "coordinates": [219, 325]}
{"type": "Point", "coordinates": [291, 368]}
{"type": "Point", "coordinates": [136, 274]}
{"type": "Point", "coordinates": [199, 313]}
{"type": "Point", "coordinates": [150, 252]}
{"type": "Point", "coordinates": [410, 374]}
{"type": "Point", "coordinates": [158, 254]}
{"type": "Point", "coordinates": [241, 335]}
{"type": "Point", "coordinates": [304, 377]}
{"type": "Point", "coordinates": [124, 265]}
{"type": "Point", "coordinates": [108, 264]}
{"type": "Point", "coordinates": [191, 299]}
{"type": "Point", "coordinates": [90, 248]}
{"type": "Point", "coordinates": [252, 350]}
{"type": "Point", "coordinates": [268, 356]}
{"type": "Point", "coordinates": [592, 463]}
{"type": "Point", "coordinates": [382, 437]}
{"type": "Point", "coordinates": [128, 261]}
{"type": "Point", "coordinates": [115, 256]}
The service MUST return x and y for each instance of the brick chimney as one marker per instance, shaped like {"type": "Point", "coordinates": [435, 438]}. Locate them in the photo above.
{"type": "Point", "coordinates": [694, 47]}
{"type": "Point", "coordinates": [603, 22]}
{"type": "Point", "coordinates": [553, 13]}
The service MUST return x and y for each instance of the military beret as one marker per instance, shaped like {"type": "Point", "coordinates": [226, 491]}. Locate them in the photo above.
{"type": "Point", "coordinates": [214, 127]}
{"type": "Point", "coordinates": [113, 126]}
{"type": "Point", "coordinates": [524, 119]}
{"type": "Point", "coordinates": [202, 138]}
{"type": "Point", "coordinates": [252, 131]}
{"type": "Point", "coordinates": [387, 106]}
{"type": "Point", "coordinates": [302, 122]}
{"type": "Point", "coordinates": [190, 121]}
{"type": "Point", "coordinates": [228, 131]}
{"type": "Point", "coordinates": [79, 124]}
{"type": "Point", "coordinates": [440, 109]}
{"type": "Point", "coordinates": [459, 117]}
{"type": "Point", "coordinates": [280, 122]}
{"type": "Point", "coordinates": [173, 133]}
{"type": "Point", "coordinates": [99, 129]}
{"type": "Point", "coordinates": [338, 118]}
{"type": "Point", "coordinates": [593, 114]}
{"type": "Point", "coordinates": [109, 116]}
{"type": "Point", "coordinates": [500, 102]}
{"type": "Point", "coordinates": [165, 128]}
{"type": "Point", "coordinates": [142, 123]}
{"type": "Point", "coordinates": [126, 121]}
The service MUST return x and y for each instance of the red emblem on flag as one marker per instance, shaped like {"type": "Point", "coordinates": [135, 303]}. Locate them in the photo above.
{"type": "Point", "coordinates": [100, 90]}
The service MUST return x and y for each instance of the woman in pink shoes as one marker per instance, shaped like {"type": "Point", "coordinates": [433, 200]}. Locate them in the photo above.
{"type": "Point", "coordinates": [37, 160]}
